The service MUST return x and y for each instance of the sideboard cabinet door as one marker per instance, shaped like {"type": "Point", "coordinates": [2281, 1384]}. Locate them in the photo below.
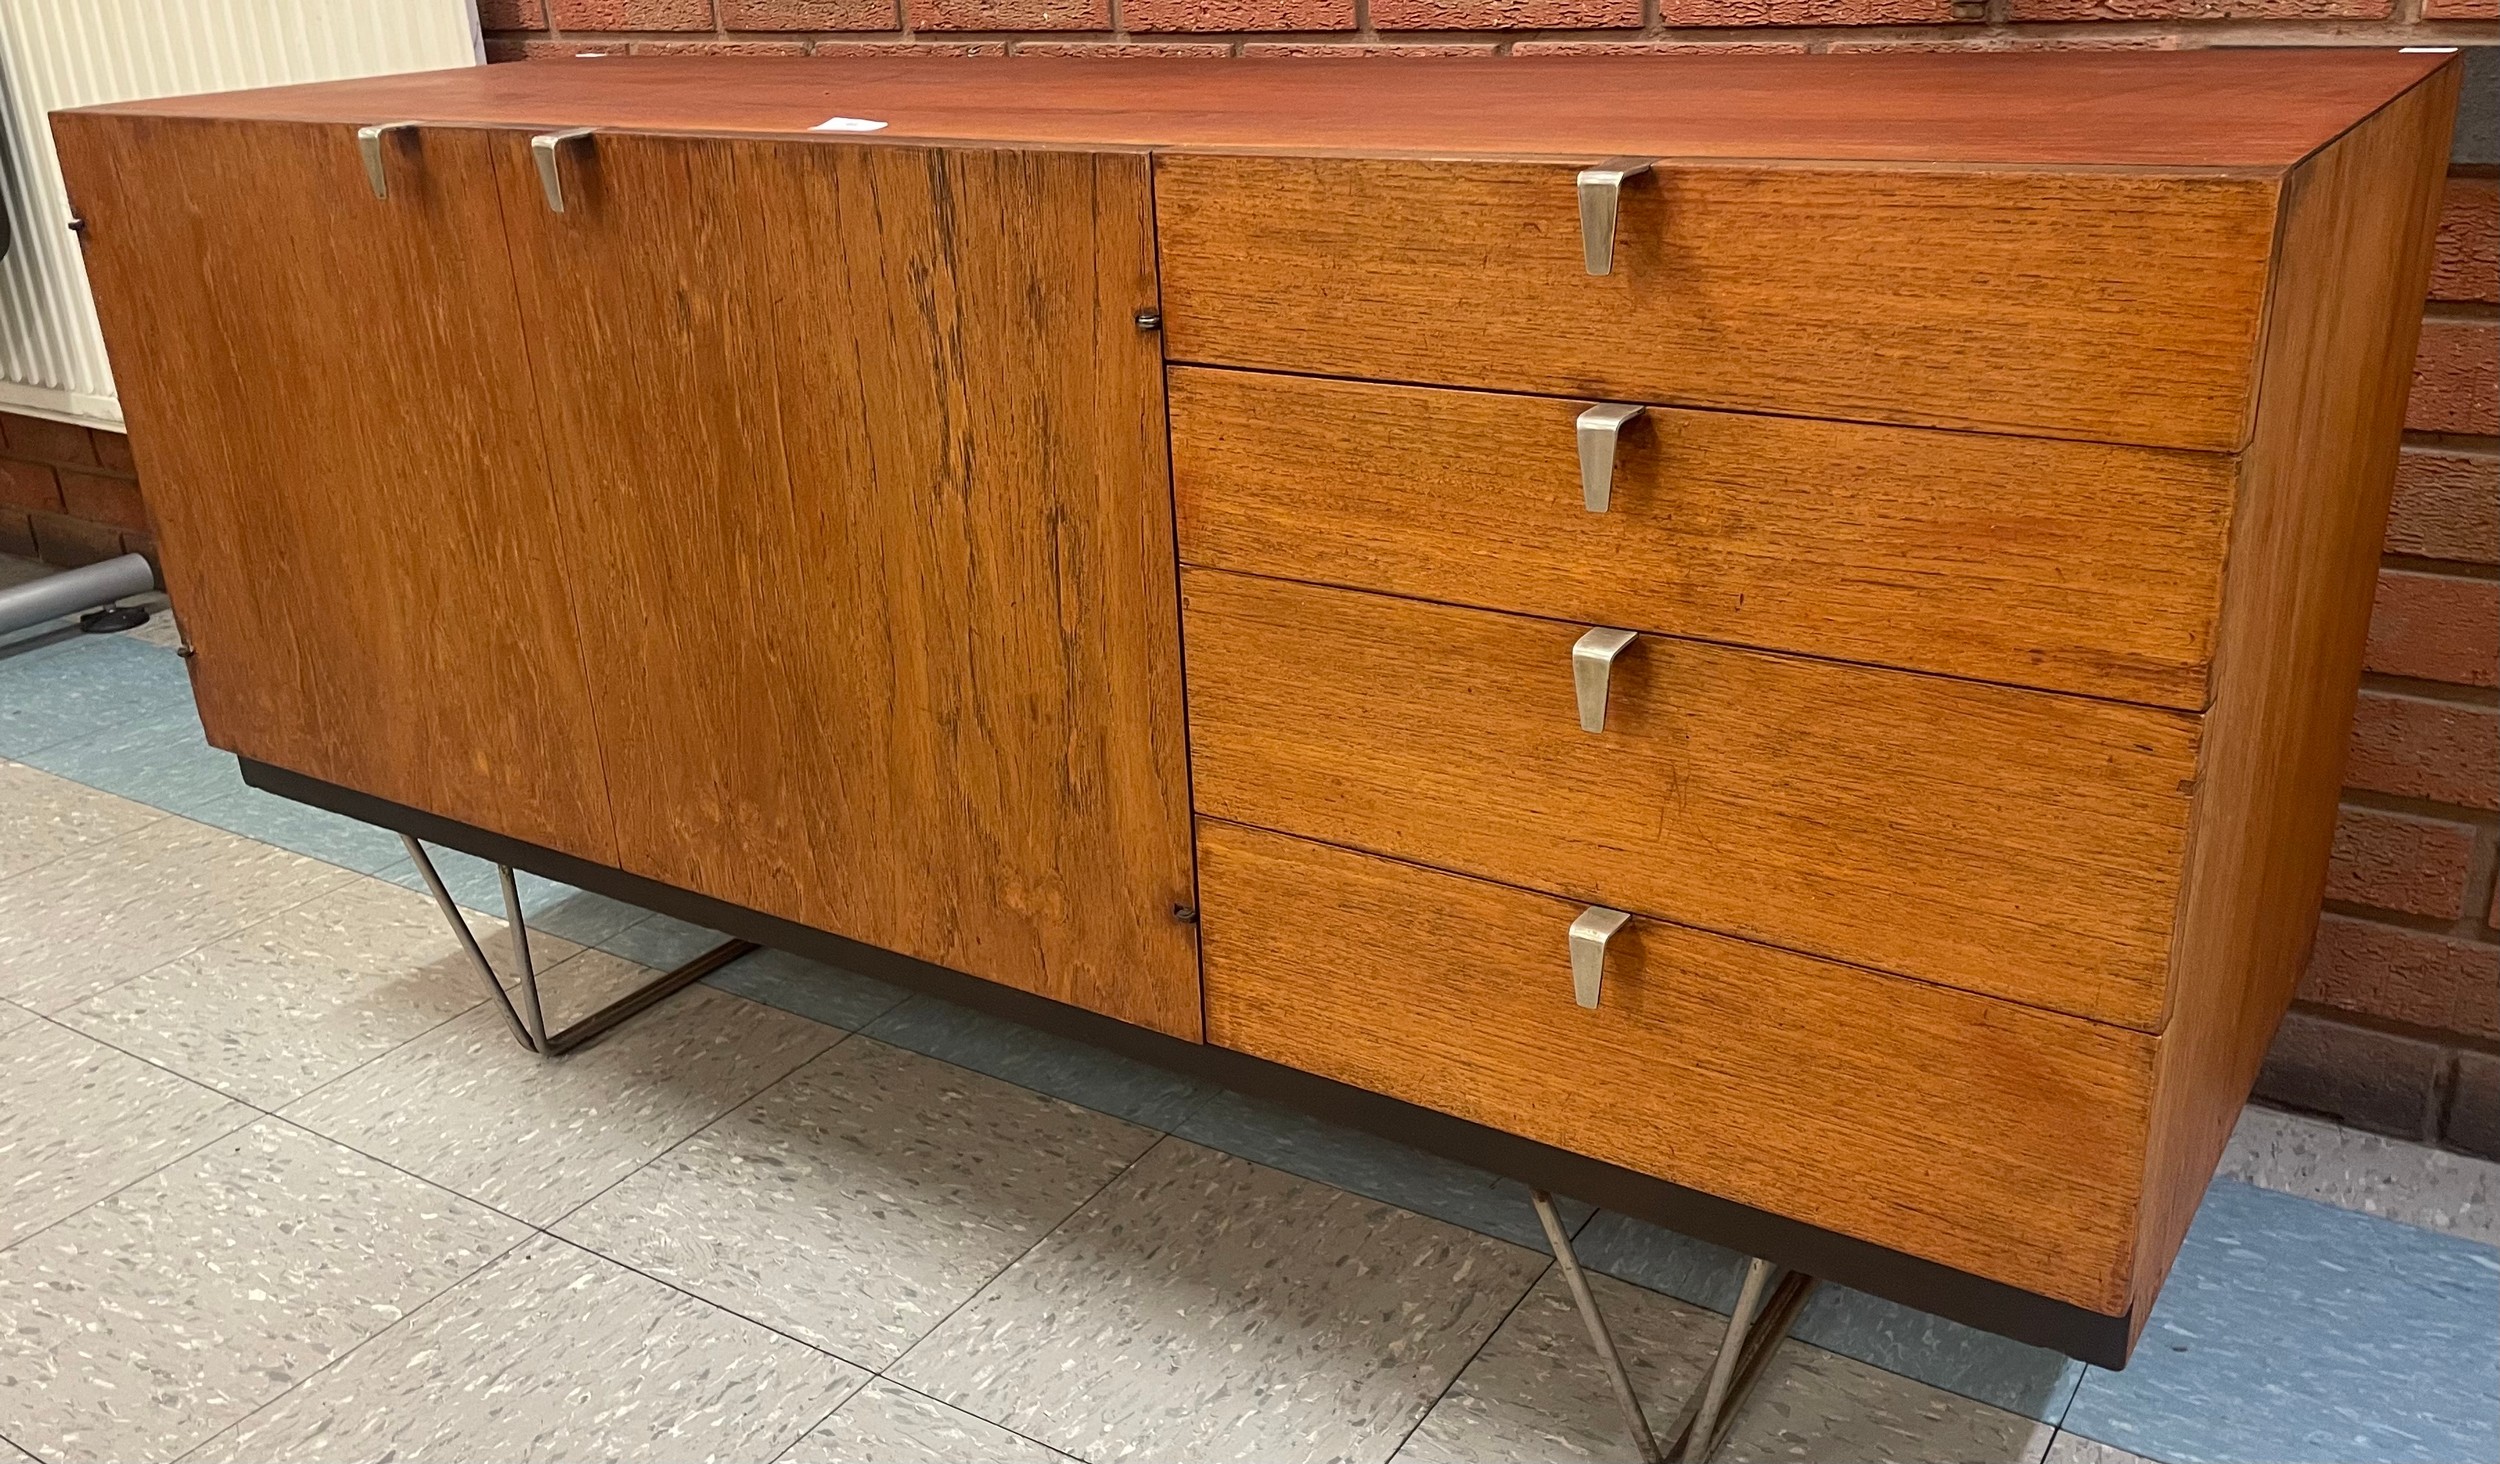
{"type": "Point", "coordinates": [861, 462]}
{"type": "Point", "coordinates": [332, 402]}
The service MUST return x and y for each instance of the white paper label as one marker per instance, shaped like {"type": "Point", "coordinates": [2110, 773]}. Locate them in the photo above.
{"type": "Point", "coordinates": [847, 124]}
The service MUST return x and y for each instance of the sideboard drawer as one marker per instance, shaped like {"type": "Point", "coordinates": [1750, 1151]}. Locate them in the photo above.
{"type": "Point", "coordinates": [2071, 565]}
{"type": "Point", "coordinates": [1996, 1138]}
{"type": "Point", "coordinates": [2121, 306]}
{"type": "Point", "coordinates": [2017, 843]}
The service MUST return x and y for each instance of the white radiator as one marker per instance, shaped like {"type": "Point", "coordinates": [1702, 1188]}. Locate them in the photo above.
{"type": "Point", "coordinates": [69, 53]}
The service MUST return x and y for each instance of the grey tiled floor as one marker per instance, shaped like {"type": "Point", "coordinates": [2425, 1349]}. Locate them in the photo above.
{"type": "Point", "coordinates": [282, 1187]}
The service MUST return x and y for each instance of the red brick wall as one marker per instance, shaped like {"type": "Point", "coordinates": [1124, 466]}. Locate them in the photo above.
{"type": "Point", "coordinates": [2398, 1026]}
{"type": "Point", "coordinates": [67, 495]}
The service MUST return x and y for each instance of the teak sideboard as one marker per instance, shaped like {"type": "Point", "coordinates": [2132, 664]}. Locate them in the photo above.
{"type": "Point", "coordinates": [1762, 640]}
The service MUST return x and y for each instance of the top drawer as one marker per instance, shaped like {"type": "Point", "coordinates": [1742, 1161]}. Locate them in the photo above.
{"type": "Point", "coordinates": [2116, 306]}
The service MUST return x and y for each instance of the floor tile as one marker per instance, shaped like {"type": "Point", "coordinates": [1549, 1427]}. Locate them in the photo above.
{"type": "Point", "coordinates": [1076, 1071]}
{"type": "Point", "coordinates": [13, 1016]}
{"type": "Point", "coordinates": [1205, 1307]}
{"type": "Point", "coordinates": [885, 1423]}
{"type": "Point", "coordinates": [79, 1120]}
{"type": "Point", "coordinates": [98, 917]}
{"type": "Point", "coordinates": [1368, 1165]}
{"type": "Point", "coordinates": [2293, 1330]}
{"type": "Point", "coordinates": [559, 909]}
{"type": "Point", "coordinates": [2031, 1381]}
{"type": "Point", "coordinates": [2351, 1170]}
{"type": "Point", "coordinates": [468, 1108]}
{"type": "Point", "coordinates": [1536, 1393]}
{"type": "Point", "coordinates": [140, 1327]}
{"type": "Point", "coordinates": [2071, 1448]}
{"type": "Point", "coordinates": [859, 1201]}
{"type": "Point", "coordinates": [271, 1013]}
{"type": "Point", "coordinates": [553, 1354]}
{"type": "Point", "coordinates": [82, 688]}
{"type": "Point", "coordinates": [661, 942]}
{"type": "Point", "coordinates": [43, 817]}
{"type": "Point", "coordinates": [163, 761]}
{"type": "Point", "coordinates": [315, 833]}
{"type": "Point", "coordinates": [827, 994]}
{"type": "Point", "coordinates": [160, 631]}
{"type": "Point", "coordinates": [12, 1454]}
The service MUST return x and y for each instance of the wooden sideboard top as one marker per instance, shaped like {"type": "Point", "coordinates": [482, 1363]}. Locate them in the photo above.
{"type": "Point", "coordinates": [2255, 109]}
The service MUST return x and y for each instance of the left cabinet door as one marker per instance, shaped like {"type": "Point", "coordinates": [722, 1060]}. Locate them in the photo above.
{"type": "Point", "coordinates": [331, 401]}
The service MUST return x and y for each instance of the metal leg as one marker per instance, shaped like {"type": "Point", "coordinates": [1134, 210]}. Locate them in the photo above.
{"type": "Point", "coordinates": [1604, 1340]}
{"type": "Point", "coordinates": [1765, 1309]}
{"type": "Point", "coordinates": [468, 942]}
{"type": "Point", "coordinates": [529, 1020]}
{"type": "Point", "coordinates": [1744, 1356]}
{"type": "Point", "coordinates": [1758, 1273]}
{"type": "Point", "coordinates": [533, 1014]}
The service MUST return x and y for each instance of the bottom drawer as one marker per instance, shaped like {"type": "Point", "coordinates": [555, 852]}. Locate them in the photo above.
{"type": "Point", "coordinates": [2000, 1139]}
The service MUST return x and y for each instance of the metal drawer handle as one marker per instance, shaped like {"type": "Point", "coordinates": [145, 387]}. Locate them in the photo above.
{"type": "Point", "coordinates": [1589, 934]}
{"type": "Point", "coordinates": [1592, 668]}
{"type": "Point", "coordinates": [1601, 198]}
{"type": "Point", "coordinates": [545, 148]}
{"type": "Point", "coordinates": [1600, 426]}
{"type": "Point", "coordinates": [369, 142]}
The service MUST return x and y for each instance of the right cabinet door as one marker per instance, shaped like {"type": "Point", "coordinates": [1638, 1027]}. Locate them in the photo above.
{"type": "Point", "coordinates": [860, 454]}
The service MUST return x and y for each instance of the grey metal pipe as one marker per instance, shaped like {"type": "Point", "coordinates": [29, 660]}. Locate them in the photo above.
{"type": "Point", "coordinates": [74, 590]}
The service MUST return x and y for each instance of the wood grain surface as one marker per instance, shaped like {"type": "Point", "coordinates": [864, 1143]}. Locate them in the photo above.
{"type": "Point", "coordinates": [2010, 842]}
{"type": "Point", "coordinates": [1984, 1135]}
{"type": "Point", "coordinates": [2229, 108]}
{"type": "Point", "coordinates": [329, 394]}
{"type": "Point", "coordinates": [2314, 491]}
{"type": "Point", "coordinates": [2120, 307]}
{"type": "Point", "coordinates": [861, 452]}
{"type": "Point", "coordinates": [2067, 565]}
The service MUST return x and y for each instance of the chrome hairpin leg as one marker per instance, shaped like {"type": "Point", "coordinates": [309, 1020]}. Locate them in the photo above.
{"type": "Point", "coordinates": [1765, 1309]}
{"type": "Point", "coordinates": [529, 1020]}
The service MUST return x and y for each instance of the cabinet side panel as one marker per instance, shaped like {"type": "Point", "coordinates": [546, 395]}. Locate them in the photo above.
{"type": "Point", "coordinates": [328, 395]}
{"type": "Point", "coordinates": [2345, 310]}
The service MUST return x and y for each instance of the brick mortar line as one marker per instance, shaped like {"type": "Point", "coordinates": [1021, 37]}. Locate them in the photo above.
{"type": "Point", "coordinates": [2451, 1042]}
{"type": "Point", "coordinates": [92, 470]}
{"type": "Point", "coordinates": [2477, 445]}
{"type": "Point", "coordinates": [2418, 807]}
{"type": "Point", "coordinates": [2468, 928]}
{"type": "Point", "coordinates": [2424, 689]}
{"type": "Point", "coordinates": [2457, 569]}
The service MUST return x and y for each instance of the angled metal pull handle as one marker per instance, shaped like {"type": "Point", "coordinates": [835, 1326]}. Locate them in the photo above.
{"type": "Point", "coordinates": [369, 142]}
{"type": "Point", "coordinates": [1589, 934]}
{"type": "Point", "coordinates": [1600, 426]}
{"type": "Point", "coordinates": [546, 148]}
{"type": "Point", "coordinates": [1592, 668]}
{"type": "Point", "coordinates": [1601, 199]}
